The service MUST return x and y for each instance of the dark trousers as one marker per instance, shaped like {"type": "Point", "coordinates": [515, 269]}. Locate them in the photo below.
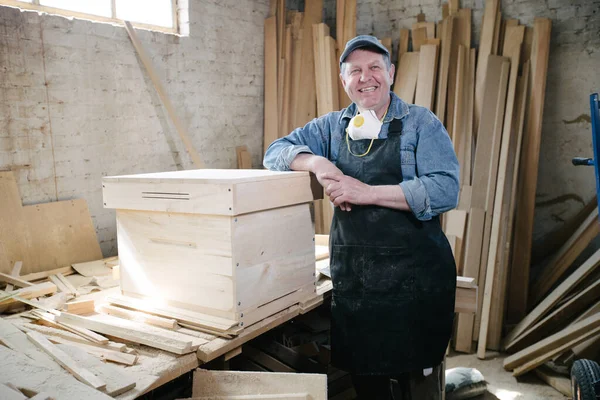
{"type": "Point", "coordinates": [407, 386]}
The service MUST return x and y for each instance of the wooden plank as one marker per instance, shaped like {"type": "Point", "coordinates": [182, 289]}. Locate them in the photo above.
{"type": "Point", "coordinates": [11, 279]}
{"type": "Point", "coordinates": [406, 77]}
{"type": "Point", "coordinates": [270, 102]}
{"type": "Point", "coordinates": [387, 42]}
{"type": "Point", "coordinates": [574, 306]}
{"type": "Point", "coordinates": [403, 42]}
{"type": "Point", "coordinates": [163, 342]}
{"type": "Point", "coordinates": [552, 342]}
{"type": "Point", "coordinates": [36, 276]}
{"type": "Point", "coordinates": [429, 27]}
{"type": "Point", "coordinates": [138, 316]}
{"type": "Point", "coordinates": [519, 278]}
{"type": "Point", "coordinates": [559, 382]}
{"type": "Point", "coordinates": [588, 267]}
{"type": "Point", "coordinates": [43, 236]}
{"type": "Point", "coordinates": [80, 307]}
{"type": "Point", "coordinates": [565, 256]}
{"type": "Point", "coordinates": [117, 381]}
{"type": "Point", "coordinates": [162, 94]}
{"type": "Point", "coordinates": [16, 271]}
{"type": "Point", "coordinates": [442, 87]}
{"type": "Point", "coordinates": [459, 122]}
{"type": "Point", "coordinates": [284, 118]}
{"type": "Point", "coordinates": [66, 362]}
{"type": "Point", "coordinates": [40, 289]}
{"type": "Point", "coordinates": [497, 31]}
{"type": "Point", "coordinates": [461, 36]}
{"type": "Point", "coordinates": [425, 89]}
{"type": "Point", "coordinates": [492, 117]}
{"type": "Point", "coordinates": [57, 383]}
{"type": "Point", "coordinates": [467, 148]}
{"type": "Point", "coordinates": [297, 39]}
{"type": "Point", "coordinates": [455, 223]}
{"type": "Point", "coordinates": [496, 273]}
{"type": "Point", "coordinates": [579, 338]}
{"type": "Point", "coordinates": [99, 351]}
{"type": "Point", "coordinates": [50, 320]}
{"type": "Point", "coordinates": [232, 383]}
{"type": "Point", "coordinates": [59, 284]}
{"type": "Point", "coordinates": [419, 37]}
{"type": "Point", "coordinates": [464, 331]}
{"type": "Point", "coordinates": [307, 101]}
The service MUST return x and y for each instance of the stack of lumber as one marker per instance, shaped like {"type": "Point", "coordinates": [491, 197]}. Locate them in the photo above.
{"type": "Point", "coordinates": [495, 126]}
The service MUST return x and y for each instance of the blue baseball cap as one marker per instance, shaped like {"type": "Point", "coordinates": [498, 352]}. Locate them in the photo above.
{"type": "Point", "coordinates": [363, 41]}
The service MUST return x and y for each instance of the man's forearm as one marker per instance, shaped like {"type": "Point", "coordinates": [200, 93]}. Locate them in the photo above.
{"type": "Point", "coordinates": [390, 196]}
{"type": "Point", "coordinates": [304, 162]}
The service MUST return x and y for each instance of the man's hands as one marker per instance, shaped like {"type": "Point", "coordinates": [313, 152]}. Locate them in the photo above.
{"type": "Point", "coordinates": [345, 190]}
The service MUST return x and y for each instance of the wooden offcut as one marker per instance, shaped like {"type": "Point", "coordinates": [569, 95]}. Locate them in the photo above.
{"type": "Point", "coordinates": [43, 236]}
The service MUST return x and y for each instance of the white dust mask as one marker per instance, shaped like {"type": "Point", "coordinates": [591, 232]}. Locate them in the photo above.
{"type": "Point", "coordinates": [364, 125]}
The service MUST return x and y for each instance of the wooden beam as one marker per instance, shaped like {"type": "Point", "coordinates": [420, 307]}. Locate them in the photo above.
{"type": "Point", "coordinates": [587, 268]}
{"type": "Point", "coordinates": [519, 278]}
{"type": "Point", "coordinates": [565, 256]}
{"type": "Point", "coordinates": [181, 130]}
{"type": "Point", "coordinates": [66, 362]}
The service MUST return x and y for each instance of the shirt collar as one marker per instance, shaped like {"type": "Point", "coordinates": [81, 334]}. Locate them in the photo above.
{"type": "Point", "coordinates": [398, 109]}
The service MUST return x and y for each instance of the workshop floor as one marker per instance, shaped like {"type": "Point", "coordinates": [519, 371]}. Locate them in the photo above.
{"type": "Point", "coordinates": [501, 384]}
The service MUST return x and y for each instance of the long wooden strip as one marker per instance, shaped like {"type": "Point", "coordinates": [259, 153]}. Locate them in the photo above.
{"type": "Point", "coordinates": [485, 50]}
{"type": "Point", "coordinates": [519, 278]}
{"type": "Point", "coordinates": [104, 353]}
{"type": "Point", "coordinates": [515, 360]}
{"type": "Point", "coordinates": [573, 306]}
{"type": "Point", "coordinates": [117, 380]}
{"type": "Point", "coordinates": [16, 271]}
{"type": "Point", "coordinates": [406, 77]}
{"type": "Point", "coordinates": [13, 280]}
{"type": "Point", "coordinates": [427, 75]}
{"type": "Point", "coordinates": [67, 284]}
{"type": "Point", "coordinates": [553, 298]}
{"type": "Point", "coordinates": [565, 256]}
{"type": "Point", "coordinates": [149, 339]}
{"type": "Point", "coordinates": [138, 316]}
{"type": "Point", "coordinates": [270, 101]}
{"type": "Point", "coordinates": [442, 87]}
{"type": "Point", "coordinates": [41, 289]}
{"type": "Point", "coordinates": [50, 320]}
{"type": "Point", "coordinates": [577, 339]}
{"type": "Point", "coordinates": [36, 276]}
{"type": "Point", "coordinates": [183, 134]}
{"type": "Point", "coordinates": [59, 284]}
{"type": "Point", "coordinates": [66, 362]}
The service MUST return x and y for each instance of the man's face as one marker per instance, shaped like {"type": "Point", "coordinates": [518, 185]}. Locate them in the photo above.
{"type": "Point", "coordinates": [366, 80]}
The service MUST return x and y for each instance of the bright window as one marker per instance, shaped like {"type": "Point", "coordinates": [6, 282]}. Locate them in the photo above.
{"type": "Point", "coordinates": [154, 14]}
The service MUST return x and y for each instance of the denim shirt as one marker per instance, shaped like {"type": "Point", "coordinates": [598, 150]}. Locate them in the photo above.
{"type": "Point", "coordinates": [429, 165]}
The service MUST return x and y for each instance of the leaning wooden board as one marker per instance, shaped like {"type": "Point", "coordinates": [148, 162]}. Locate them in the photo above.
{"type": "Point", "coordinates": [43, 236]}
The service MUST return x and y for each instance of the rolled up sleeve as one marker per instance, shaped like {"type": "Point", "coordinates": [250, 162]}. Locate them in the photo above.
{"type": "Point", "coordinates": [308, 139]}
{"type": "Point", "coordinates": [435, 188]}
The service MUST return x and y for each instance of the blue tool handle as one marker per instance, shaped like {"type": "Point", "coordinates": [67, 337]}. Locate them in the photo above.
{"type": "Point", "coordinates": [583, 161]}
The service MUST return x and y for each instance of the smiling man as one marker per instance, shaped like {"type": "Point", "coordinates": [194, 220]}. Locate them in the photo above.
{"type": "Point", "coordinates": [390, 170]}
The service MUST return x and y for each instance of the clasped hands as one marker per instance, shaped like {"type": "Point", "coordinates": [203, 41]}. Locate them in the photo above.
{"type": "Point", "coordinates": [344, 190]}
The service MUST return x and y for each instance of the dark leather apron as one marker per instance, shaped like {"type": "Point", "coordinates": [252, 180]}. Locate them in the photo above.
{"type": "Point", "coordinates": [394, 277]}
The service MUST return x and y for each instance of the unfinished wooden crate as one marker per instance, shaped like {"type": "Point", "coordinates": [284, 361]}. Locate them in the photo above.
{"type": "Point", "coordinates": [232, 245]}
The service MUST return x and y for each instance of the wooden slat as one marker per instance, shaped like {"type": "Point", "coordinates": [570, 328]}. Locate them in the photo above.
{"type": "Point", "coordinates": [442, 87]}
{"type": "Point", "coordinates": [464, 330]}
{"type": "Point", "coordinates": [406, 77]}
{"type": "Point", "coordinates": [403, 42]}
{"type": "Point", "coordinates": [16, 271]}
{"type": "Point", "coordinates": [50, 320]}
{"type": "Point", "coordinates": [574, 306]}
{"type": "Point", "coordinates": [270, 103]}
{"type": "Point", "coordinates": [497, 273]}
{"type": "Point", "coordinates": [181, 130]}
{"type": "Point", "coordinates": [138, 316]}
{"type": "Point", "coordinates": [66, 362]}
{"type": "Point", "coordinates": [41, 289]}
{"type": "Point", "coordinates": [419, 37]}
{"type": "Point", "coordinates": [553, 298]}
{"type": "Point", "coordinates": [13, 280]}
{"type": "Point", "coordinates": [284, 117]}
{"type": "Point", "coordinates": [458, 131]}
{"type": "Point", "coordinates": [490, 124]}
{"type": "Point", "coordinates": [426, 77]}
{"type": "Point", "coordinates": [99, 351]}
{"type": "Point", "coordinates": [429, 26]}
{"type": "Point", "coordinates": [485, 50]}
{"type": "Point", "coordinates": [565, 256]}
{"type": "Point", "coordinates": [519, 278]}
{"type": "Point", "coordinates": [172, 345]}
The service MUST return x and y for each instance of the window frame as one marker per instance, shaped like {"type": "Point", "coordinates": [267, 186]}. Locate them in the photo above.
{"type": "Point", "coordinates": [36, 6]}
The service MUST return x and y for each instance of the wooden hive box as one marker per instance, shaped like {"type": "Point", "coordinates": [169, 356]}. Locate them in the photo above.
{"type": "Point", "coordinates": [233, 245]}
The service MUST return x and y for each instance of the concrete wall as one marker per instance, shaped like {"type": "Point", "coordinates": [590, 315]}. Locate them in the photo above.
{"type": "Point", "coordinates": [76, 104]}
